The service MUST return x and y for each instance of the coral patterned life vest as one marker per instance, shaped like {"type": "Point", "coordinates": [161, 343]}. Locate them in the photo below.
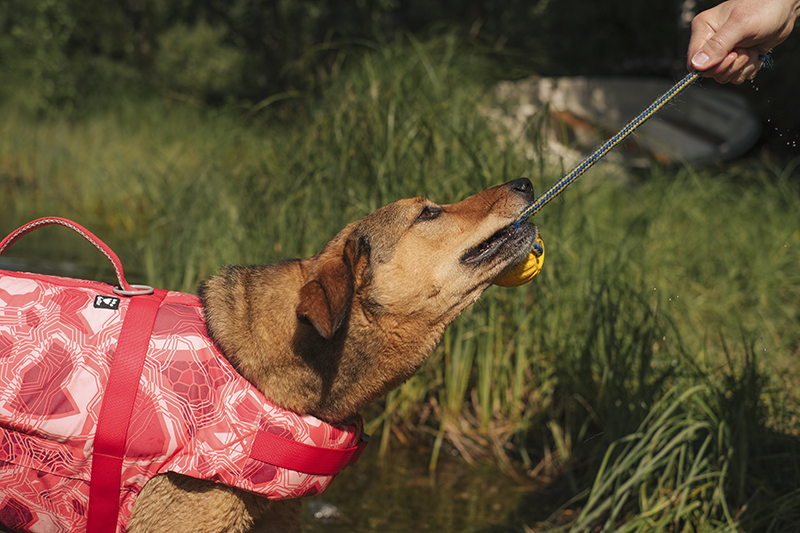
{"type": "Point", "coordinates": [99, 392]}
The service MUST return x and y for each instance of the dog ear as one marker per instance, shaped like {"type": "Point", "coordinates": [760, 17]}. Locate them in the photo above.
{"type": "Point", "coordinates": [325, 299]}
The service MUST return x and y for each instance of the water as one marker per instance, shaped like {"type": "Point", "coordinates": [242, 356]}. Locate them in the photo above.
{"type": "Point", "coordinates": [398, 494]}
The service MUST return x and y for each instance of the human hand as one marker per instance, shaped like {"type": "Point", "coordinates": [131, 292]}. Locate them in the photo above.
{"type": "Point", "coordinates": [728, 39]}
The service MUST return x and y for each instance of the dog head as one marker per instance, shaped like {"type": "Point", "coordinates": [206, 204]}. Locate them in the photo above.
{"type": "Point", "coordinates": [329, 334]}
{"type": "Point", "coordinates": [418, 259]}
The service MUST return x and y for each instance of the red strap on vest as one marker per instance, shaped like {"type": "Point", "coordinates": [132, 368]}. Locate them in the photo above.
{"type": "Point", "coordinates": [115, 413]}
{"type": "Point", "coordinates": [286, 453]}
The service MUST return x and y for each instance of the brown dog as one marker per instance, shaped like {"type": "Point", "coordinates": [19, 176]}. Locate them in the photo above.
{"type": "Point", "coordinates": [329, 334]}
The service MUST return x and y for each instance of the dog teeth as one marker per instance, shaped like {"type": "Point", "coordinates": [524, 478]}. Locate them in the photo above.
{"type": "Point", "coordinates": [483, 248]}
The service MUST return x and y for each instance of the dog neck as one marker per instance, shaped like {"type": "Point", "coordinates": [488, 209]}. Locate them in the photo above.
{"type": "Point", "coordinates": [251, 315]}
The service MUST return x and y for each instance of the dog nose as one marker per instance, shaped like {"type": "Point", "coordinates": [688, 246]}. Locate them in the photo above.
{"type": "Point", "coordinates": [523, 187]}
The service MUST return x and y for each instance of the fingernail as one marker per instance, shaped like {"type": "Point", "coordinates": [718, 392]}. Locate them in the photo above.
{"type": "Point", "coordinates": [700, 60]}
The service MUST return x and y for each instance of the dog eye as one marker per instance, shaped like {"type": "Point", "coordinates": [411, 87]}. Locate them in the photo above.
{"type": "Point", "coordinates": [429, 213]}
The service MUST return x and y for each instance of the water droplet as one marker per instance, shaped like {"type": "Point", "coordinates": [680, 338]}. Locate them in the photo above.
{"type": "Point", "coordinates": [323, 511]}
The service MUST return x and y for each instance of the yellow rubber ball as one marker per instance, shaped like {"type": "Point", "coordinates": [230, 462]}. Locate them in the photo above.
{"type": "Point", "coordinates": [526, 270]}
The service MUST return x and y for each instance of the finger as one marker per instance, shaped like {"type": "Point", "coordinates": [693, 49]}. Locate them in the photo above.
{"type": "Point", "coordinates": [743, 59]}
{"type": "Point", "coordinates": [746, 65]}
{"type": "Point", "coordinates": [724, 69]}
{"type": "Point", "coordinates": [742, 76]}
{"type": "Point", "coordinates": [701, 33]}
{"type": "Point", "coordinates": [723, 72]}
{"type": "Point", "coordinates": [739, 66]}
{"type": "Point", "coordinates": [754, 63]}
{"type": "Point", "coordinates": [717, 47]}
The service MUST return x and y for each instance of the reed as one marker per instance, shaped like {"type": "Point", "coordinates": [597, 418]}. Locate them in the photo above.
{"type": "Point", "coordinates": [582, 375]}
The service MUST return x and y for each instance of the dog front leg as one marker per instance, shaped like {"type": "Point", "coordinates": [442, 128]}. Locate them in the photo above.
{"type": "Point", "coordinates": [281, 516]}
{"type": "Point", "coordinates": [172, 503]}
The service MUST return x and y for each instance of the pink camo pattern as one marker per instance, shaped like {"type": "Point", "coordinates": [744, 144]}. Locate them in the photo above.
{"type": "Point", "coordinates": [194, 414]}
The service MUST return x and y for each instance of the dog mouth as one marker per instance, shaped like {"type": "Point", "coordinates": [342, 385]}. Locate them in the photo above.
{"type": "Point", "coordinates": [508, 243]}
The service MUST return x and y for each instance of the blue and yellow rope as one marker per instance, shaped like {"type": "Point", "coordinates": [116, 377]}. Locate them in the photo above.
{"type": "Point", "coordinates": [600, 152]}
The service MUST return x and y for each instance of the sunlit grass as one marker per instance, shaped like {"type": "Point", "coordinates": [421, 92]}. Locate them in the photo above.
{"type": "Point", "coordinates": [654, 282]}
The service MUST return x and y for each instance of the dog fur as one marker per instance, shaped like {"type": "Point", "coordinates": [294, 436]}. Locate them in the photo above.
{"type": "Point", "coordinates": [329, 334]}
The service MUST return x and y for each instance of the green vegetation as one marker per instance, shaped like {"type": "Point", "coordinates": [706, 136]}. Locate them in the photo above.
{"type": "Point", "coordinates": [647, 373]}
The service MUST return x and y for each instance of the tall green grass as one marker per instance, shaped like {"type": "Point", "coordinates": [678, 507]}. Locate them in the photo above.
{"type": "Point", "coordinates": [654, 283]}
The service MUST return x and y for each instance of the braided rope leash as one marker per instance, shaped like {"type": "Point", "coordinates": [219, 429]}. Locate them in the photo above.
{"type": "Point", "coordinates": [599, 153]}
{"type": "Point", "coordinates": [606, 147]}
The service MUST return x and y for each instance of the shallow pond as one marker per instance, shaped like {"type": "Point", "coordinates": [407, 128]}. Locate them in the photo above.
{"type": "Point", "coordinates": [397, 494]}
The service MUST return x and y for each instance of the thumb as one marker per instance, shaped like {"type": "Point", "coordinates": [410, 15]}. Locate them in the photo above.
{"type": "Point", "coordinates": [716, 48]}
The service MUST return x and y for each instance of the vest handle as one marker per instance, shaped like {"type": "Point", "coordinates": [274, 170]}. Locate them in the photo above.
{"type": "Point", "coordinates": [124, 288]}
